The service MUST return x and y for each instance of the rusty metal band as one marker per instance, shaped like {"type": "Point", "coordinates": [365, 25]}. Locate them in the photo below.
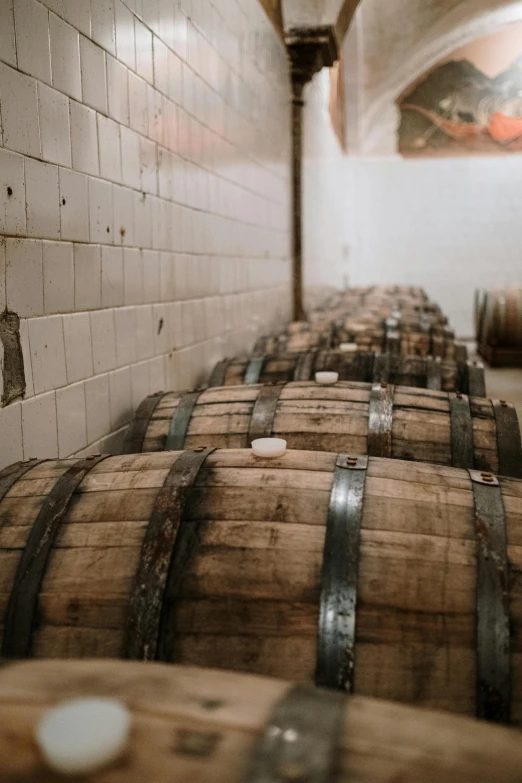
{"type": "Point", "coordinates": [509, 446]}
{"type": "Point", "coordinates": [462, 451]}
{"type": "Point", "coordinates": [301, 740]}
{"type": "Point", "coordinates": [304, 366]}
{"type": "Point", "coordinates": [493, 632]}
{"type": "Point", "coordinates": [434, 374]}
{"type": "Point", "coordinates": [163, 530]}
{"type": "Point", "coordinates": [336, 639]}
{"type": "Point", "coordinates": [263, 414]}
{"type": "Point", "coordinates": [380, 420]}
{"type": "Point", "coordinates": [382, 368]}
{"type": "Point", "coordinates": [137, 430]}
{"type": "Point", "coordinates": [476, 380]}
{"type": "Point", "coordinates": [254, 369]}
{"type": "Point", "coordinates": [13, 473]}
{"type": "Point", "coordinates": [366, 366]}
{"type": "Point", "coordinates": [219, 373]}
{"type": "Point", "coordinates": [461, 352]}
{"type": "Point", "coordinates": [180, 421]}
{"type": "Point", "coordinates": [23, 601]}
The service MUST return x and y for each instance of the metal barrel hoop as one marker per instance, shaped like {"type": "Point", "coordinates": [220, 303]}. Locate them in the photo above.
{"type": "Point", "coordinates": [380, 420]}
{"type": "Point", "coordinates": [137, 430]}
{"type": "Point", "coordinates": [462, 448]}
{"type": "Point", "coordinates": [180, 421]}
{"type": "Point", "coordinates": [335, 666]}
{"type": "Point", "coordinates": [301, 740]}
{"type": "Point", "coordinates": [22, 606]}
{"type": "Point", "coordinates": [264, 411]}
{"type": "Point", "coordinates": [509, 445]}
{"type": "Point", "coordinates": [492, 602]}
{"type": "Point", "coordinates": [165, 528]}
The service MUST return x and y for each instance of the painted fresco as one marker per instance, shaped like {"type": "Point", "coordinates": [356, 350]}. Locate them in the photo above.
{"type": "Point", "coordinates": [471, 103]}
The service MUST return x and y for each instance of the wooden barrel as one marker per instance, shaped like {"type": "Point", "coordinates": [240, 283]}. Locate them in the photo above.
{"type": "Point", "coordinates": [191, 724]}
{"type": "Point", "coordinates": [298, 338]}
{"type": "Point", "coordinates": [395, 336]}
{"type": "Point", "coordinates": [367, 367]}
{"type": "Point", "coordinates": [379, 420]}
{"type": "Point", "coordinates": [498, 317]}
{"type": "Point", "coordinates": [383, 577]}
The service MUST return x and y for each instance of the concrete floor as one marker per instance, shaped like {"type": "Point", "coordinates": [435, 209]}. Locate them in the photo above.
{"type": "Point", "coordinates": [505, 383]}
{"type": "Point", "coordinates": [502, 383]}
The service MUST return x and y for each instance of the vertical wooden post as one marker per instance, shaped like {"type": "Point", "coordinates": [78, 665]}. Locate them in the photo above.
{"type": "Point", "coordinates": [309, 50]}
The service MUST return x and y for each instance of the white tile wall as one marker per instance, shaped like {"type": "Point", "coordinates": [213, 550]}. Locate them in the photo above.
{"type": "Point", "coordinates": [144, 208]}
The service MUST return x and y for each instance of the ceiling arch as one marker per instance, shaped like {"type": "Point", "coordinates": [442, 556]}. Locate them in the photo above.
{"type": "Point", "coordinates": [410, 38]}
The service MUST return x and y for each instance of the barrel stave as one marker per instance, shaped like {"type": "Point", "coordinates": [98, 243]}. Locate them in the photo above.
{"type": "Point", "coordinates": [194, 724]}
{"type": "Point", "coordinates": [248, 597]}
{"type": "Point", "coordinates": [334, 418]}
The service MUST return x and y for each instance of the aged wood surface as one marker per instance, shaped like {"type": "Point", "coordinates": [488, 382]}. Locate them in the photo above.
{"type": "Point", "coordinates": [191, 724]}
{"type": "Point", "coordinates": [351, 366]}
{"type": "Point", "coordinates": [248, 596]}
{"type": "Point", "coordinates": [332, 418]}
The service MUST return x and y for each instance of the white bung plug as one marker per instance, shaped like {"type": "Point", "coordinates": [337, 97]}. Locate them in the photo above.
{"type": "Point", "coordinates": [269, 447]}
{"type": "Point", "coordinates": [326, 378]}
{"type": "Point", "coordinates": [81, 735]}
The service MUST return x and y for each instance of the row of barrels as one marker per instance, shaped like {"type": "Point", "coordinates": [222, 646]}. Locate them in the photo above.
{"type": "Point", "coordinates": [376, 320]}
{"type": "Point", "coordinates": [380, 555]}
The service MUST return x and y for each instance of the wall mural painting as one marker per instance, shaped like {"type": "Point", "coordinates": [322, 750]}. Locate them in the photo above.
{"type": "Point", "coordinates": [470, 103]}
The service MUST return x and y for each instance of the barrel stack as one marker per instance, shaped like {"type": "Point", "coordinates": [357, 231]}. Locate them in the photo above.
{"type": "Point", "coordinates": [334, 519]}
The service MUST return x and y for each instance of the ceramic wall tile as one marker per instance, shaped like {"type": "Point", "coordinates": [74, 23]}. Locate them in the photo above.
{"type": "Point", "coordinates": [103, 24]}
{"type": "Point", "coordinates": [65, 57]}
{"type": "Point", "coordinates": [24, 277]}
{"type": "Point", "coordinates": [84, 139]}
{"type": "Point", "coordinates": [7, 33]}
{"type": "Point", "coordinates": [71, 419]}
{"type": "Point", "coordinates": [32, 39]}
{"type": "Point", "coordinates": [55, 127]}
{"type": "Point", "coordinates": [39, 427]}
{"type": "Point", "coordinates": [58, 277]}
{"type": "Point", "coordinates": [12, 193]}
{"type": "Point", "coordinates": [74, 205]}
{"type": "Point", "coordinates": [20, 123]}
{"type": "Point", "coordinates": [87, 277]}
{"type": "Point", "coordinates": [97, 405]}
{"type": "Point", "coordinates": [118, 90]}
{"type": "Point", "coordinates": [42, 199]}
{"type": "Point", "coordinates": [94, 75]}
{"type": "Point", "coordinates": [145, 205]}
{"type": "Point", "coordinates": [110, 149]}
{"type": "Point", "coordinates": [11, 445]}
{"type": "Point", "coordinates": [78, 346]}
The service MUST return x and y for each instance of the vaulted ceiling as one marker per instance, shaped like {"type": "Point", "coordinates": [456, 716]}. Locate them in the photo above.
{"type": "Point", "coordinates": [390, 44]}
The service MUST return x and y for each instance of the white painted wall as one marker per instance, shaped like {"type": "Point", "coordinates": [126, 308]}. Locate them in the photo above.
{"type": "Point", "coordinates": [325, 191]}
{"type": "Point", "coordinates": [448, 224]}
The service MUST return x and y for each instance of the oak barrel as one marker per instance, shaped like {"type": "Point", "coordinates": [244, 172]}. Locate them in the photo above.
{"type": "Point", "coordinates": [380, 420]}
{"type": "Point", "coordinates": [498, 317]}
{"type": "Point", "coordinates": [399, 580]}
{"type": "Point", "coordinates": [210, 726]}
{"type": "Point", "coordinates": [421, 372]}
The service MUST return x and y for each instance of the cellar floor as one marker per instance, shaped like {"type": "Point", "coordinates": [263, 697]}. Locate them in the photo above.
{"type": "Point", "coordinates": [505, 383]}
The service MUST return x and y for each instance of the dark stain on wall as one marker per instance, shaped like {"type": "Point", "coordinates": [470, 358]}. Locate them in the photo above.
{"type": "Point", "coordinates": [13, 368]}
